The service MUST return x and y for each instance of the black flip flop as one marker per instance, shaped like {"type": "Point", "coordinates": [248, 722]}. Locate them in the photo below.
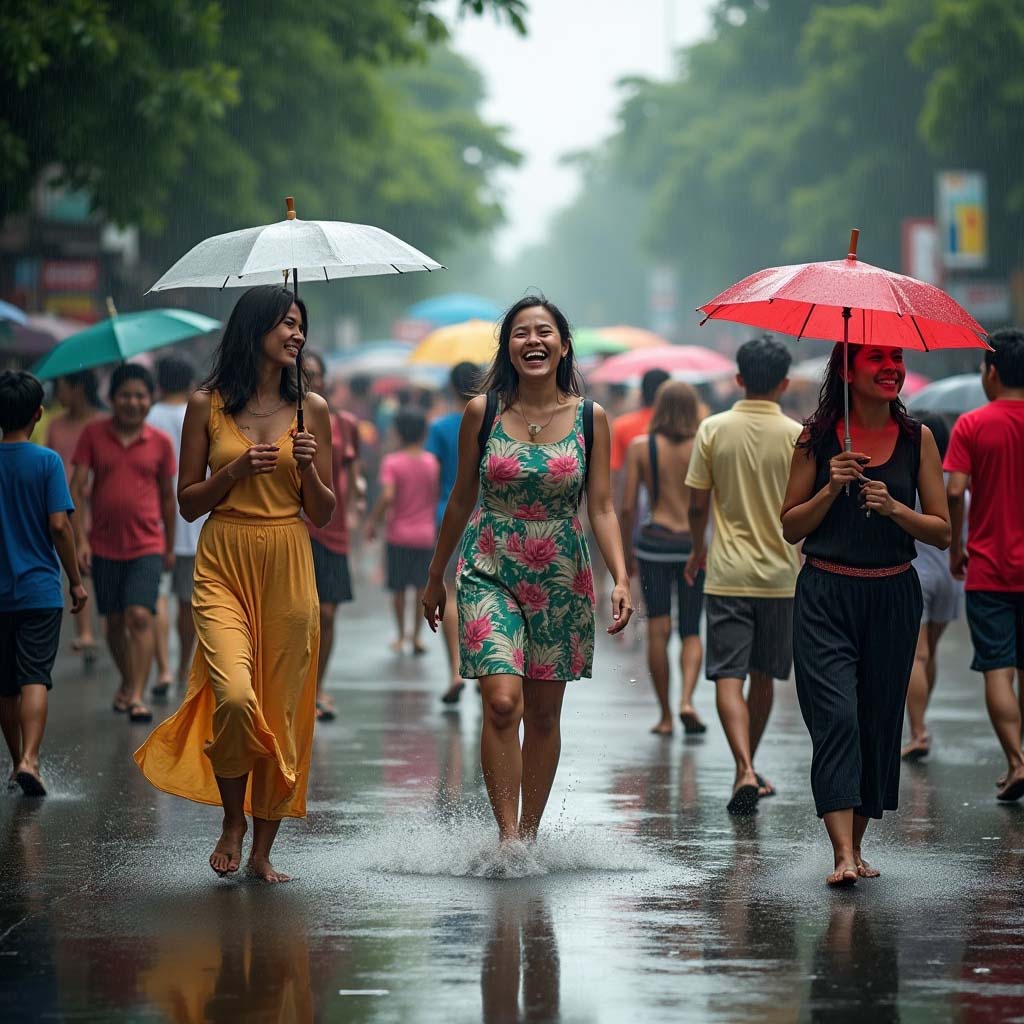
{"type": "Point", "coordinates": [453, 695]}
{"type": "Point", "coordinates": [1014, 791]}
{"type": "Point", "coordinates": [692, 725]}
{"type": "Point", "coordinates": [764, 785]}
{"type": "Point", "coordinates": [160, 691]}
{"type": "Point", "coordinates": [844, 882]}
{"type": "Point", "coordinates": [916, 754]}
{"type": "Point", "coordinates": [30, 785]}
{"type": "Point", "coordinates": [325, 713]}
{"type": "Point", "coordinates": [139, 714]}
{"type": "Point", "coordinates": [743, 802]}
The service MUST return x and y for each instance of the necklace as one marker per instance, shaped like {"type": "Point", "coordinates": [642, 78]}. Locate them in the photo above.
{"type": "Point", "coordinates": [264, 415]}
{"type": "Point", "coordinates": [535, 428]}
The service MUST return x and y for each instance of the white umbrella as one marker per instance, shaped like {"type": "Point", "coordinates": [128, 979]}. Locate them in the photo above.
{"type": "Point", "coordinates": [310, 250]}
{"type": "Point", "coordinates": [953, 395]}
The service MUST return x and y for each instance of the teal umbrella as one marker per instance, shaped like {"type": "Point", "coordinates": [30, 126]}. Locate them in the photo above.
{"type": "Point", "coordinates": [121, 337]}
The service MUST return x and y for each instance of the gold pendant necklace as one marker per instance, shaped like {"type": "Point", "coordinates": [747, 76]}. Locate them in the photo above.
{"type": "Point", "coordinates": [535, 428]}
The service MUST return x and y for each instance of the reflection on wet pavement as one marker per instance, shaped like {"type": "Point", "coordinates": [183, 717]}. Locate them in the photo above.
{"type": "Point", "coordinates": [642, 901]}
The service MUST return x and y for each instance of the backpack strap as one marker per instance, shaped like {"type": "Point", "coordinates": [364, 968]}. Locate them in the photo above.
{"type": "Point", "coordinates": [490, 413]}
{"type": "Point", "coordinates": [652, 452]}
{"type": "Point", "coordinates": [588, 444]}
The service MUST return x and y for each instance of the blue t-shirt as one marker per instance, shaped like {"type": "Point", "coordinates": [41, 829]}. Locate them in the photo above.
{"type": "Point", "coordinates": [443, 443]}
{"type": "Point", "coordinates": [32, 487]}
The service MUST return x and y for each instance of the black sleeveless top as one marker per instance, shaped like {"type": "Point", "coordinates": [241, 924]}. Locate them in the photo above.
{"type": "Point", "coordinates": [850, 537]}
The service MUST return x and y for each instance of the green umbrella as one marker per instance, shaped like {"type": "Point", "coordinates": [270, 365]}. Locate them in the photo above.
{"type": "Point", "coordinates": [586, 341]}
{"type": "Point", "coordinates": [121, 337]}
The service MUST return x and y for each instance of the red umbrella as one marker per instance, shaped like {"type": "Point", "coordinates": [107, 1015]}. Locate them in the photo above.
{"type": "Point", "coordinates": [848, 301]}
{"type": "Point", "coordinates": [685, 362]}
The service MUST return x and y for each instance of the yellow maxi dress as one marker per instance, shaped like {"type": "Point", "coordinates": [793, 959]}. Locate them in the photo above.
{"type": "Point", "coordinates": [251, 699]}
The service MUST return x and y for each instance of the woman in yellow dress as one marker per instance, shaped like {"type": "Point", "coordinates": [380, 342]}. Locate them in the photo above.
{"type": "Point", "coordinates": [243, 733]}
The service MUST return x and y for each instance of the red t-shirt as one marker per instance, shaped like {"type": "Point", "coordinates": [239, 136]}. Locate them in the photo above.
{"type": "Point", "coordinates": [625, 429]}
{"type": "Point", "coordinates": [988, 445]}
{"type": "Point", "coordinates": [344, 451]}
{"type": "Point", "coordinates": [125, 501]}
{"type": "Point", "coordinates": [416, 478]}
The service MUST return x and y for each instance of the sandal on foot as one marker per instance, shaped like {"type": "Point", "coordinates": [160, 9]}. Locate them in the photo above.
{"type": "Point", "coordinates": [324, 712]}
{"type": "Point", "coordinates": [120, 705]}
{"type": "Point", "coordinates": [692, 725]}
{"type": "Point", "coordinates": [763, 784]}
{"type": "Point", "coordinates": [160, 691]}
{"type": "Point", "coordinates": [453, 694]}
{"type": "Point", "coordinates": [139, 713]}
{"type": "Point", "coordinates": [30, 784]}
{"type": "Point", "coordinates": [846, 881]}
{"type": "Point", "coordinates": [743, 802]}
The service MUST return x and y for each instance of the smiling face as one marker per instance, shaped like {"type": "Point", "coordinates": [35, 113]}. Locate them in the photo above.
{"type": "Point", "coordinates": [877, 372]}
{"type": "Point", "coordinates": [282, 345]}
{"type": "Point", "coordinates": [130, 404]}
{"type": "Point", "coordinates": [535, 347]}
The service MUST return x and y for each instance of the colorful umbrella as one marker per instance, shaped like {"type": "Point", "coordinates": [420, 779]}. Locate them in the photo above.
{"type": "Point", "coordinates": [371, 359]}
{"type": "Point", "coordinates": [121, 337]}
{"type": "Point", "coordinates": [12, 313]}
{"type": "Point", "coordinates": [632, 337]}
{"type": "Point", "coordinates": [848, 301]}
{"type": "Point", "coordinates": [475, 341]}
{"type": "Point", "coordinates": [454, 308]}
{"type": "Point", "coordinates": [691, 363]}
{"type": "Point", "coordinates": [37, 335]}
{"type": "Point", "coordinates": [952, 396]}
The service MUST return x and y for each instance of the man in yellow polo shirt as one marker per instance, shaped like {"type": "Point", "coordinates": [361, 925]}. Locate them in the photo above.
{"type": "Point", "coordinates": [739, 469]}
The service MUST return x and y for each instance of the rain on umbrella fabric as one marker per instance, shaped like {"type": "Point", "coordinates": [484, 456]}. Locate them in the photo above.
{"type": "Point", "coordinates": [121, 337]}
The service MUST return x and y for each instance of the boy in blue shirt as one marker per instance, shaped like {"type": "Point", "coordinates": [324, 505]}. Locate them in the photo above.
{"type": "Point", "coordinates": [34, 532]}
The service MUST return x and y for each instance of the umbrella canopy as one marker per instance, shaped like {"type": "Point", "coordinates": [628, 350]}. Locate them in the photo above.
{"type": "Point", "coordinates": [317, 250]}
{"type": "Point", "coordinates": [37, 335]}
{"type": "Point", "coordinates": [632, 337]}
{"type": "Point", "coordinates": [121, 337]}
{"type": "Point", "coordinates": [691, 363]}
{"type": "Point", "coordinates": [454, 308]}
{"type": "Point", "coordinates": [12, 313]}
{"type": "Point", "coordinates": [475, 341]}
{"type": "Point", "coordinates": [371, 359]}
{"type": "Point", "coordinates": [586, 341]}
{"type": "Point", "coordinates": [813, 371]}
{"type": "Point", "coordinates": [951, 396]}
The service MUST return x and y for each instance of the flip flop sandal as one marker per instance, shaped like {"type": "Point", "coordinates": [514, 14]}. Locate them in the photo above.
{"type": "Point", "coordinates": [120, 707]}
{"type": "Point", "coordinates": [324, 712]}
{"type": "Point", "coordinates": [453, 695]}
{"type": "Point", "coordinates": [692, 725]}
{"type": "Point", "coordinates": [845, 882]}
{"type": "Point", "coordinates": [160, 691]}
{"type": "Point", "coordinates": [139, 714]}
{"type": "Point", "coordinates": [743, 802]}
{"type": "Point", "coordinates": [916, 754]}
{"type": "Point", "coordinates": [30, 785]}
{"type": "Point", "coordinates": [1014, 791]}
{"type": "Point", "coordinates": [764, 785]}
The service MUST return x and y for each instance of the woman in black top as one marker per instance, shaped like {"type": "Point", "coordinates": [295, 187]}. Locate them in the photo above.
{"type": "Point", "coordinates": [858, 600]}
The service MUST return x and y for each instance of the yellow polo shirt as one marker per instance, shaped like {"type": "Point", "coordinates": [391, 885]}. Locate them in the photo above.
{"type": "Point", "coordinates": [743, 457]}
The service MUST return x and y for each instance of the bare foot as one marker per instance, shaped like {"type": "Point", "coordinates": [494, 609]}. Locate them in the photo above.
{"type": "Point", "coordinates": [1013, 788]}
{"type": "Point", "coordinates": [918, 747]}
{"type": "Point", "coordinates": [261, 868]}
{"type": "Point", "coordinates": [397, 645]}
{"type": "Point", "coordinates": [663, 728]}
{"type": "Point", "coordinates": [765, 788]}
{"type": "Point", "coordinates": [864, 869]}
{"type": "Point", "coordinates": [845, 874]}
{"type": "Point", "coordinates": [227, 854]}
{"type": "Point", "coordinates": [27, 777]}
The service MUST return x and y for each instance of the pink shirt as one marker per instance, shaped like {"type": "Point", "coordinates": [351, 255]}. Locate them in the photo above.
{"type": "Point", "coordinates": [416, 480]}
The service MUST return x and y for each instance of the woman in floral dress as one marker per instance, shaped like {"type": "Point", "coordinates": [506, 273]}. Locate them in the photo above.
{"type": "Point", "coordinates": [525, 587]}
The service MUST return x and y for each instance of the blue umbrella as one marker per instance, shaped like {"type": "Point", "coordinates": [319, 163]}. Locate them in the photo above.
{"type": "Point", "coordinates": [454, 308]}
{"type": "Point", "coordinates": [12, 313]}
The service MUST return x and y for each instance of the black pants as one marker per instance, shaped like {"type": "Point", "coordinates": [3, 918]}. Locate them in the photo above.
{"type": "Point", "coordinates": [853, 645]}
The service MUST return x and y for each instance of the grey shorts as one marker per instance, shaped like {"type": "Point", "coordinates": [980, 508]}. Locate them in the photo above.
{"type": "Point", "coordinates": [942, 597]}
{"type": "Point", "coordinates": [182, 576]}
{"type": "Point", "coordinates": [748, 634]}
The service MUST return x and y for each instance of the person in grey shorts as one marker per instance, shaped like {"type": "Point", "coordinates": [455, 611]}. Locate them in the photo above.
{"type": "Point", "coordinates": [738, 471]}
{"type": "Point", "coordinates": [943, 597]}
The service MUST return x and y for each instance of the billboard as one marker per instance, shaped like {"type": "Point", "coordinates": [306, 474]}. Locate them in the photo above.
{"type": "Point", "coordinates": [961, 212]}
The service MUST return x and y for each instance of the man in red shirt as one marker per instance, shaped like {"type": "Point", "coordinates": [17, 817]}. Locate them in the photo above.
{"type": "Point", "coordinates": [986, 454]}
{"type": "Point", "coordinates": [330, 543]}
{"type": "Point", "coordinates": [634, 424]}
{"type": "Point", "coordinates": [131, 505]}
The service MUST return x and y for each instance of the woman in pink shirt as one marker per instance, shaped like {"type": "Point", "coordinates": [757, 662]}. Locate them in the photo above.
{"type": "Point", "coordinates": [409, 484]}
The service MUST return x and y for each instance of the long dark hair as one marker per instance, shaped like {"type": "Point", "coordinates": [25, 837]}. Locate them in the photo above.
{"type": "Point", "coordinates": [821, 425]}
{"type": "Point", "coordinates": [235, 373]}
{"type": "Point", "coordinates": [502, 376]}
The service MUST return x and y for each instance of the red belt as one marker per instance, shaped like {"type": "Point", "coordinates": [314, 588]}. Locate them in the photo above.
{"type": "Point", "coordinates": [853, 570]}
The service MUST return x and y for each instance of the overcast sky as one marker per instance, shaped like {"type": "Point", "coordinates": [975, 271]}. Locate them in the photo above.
{"type": "Point", "coordinates": [556, 90]}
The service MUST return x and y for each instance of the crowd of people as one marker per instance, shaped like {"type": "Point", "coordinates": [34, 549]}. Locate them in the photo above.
{"type": "Point", "coordinates": [797, 553]}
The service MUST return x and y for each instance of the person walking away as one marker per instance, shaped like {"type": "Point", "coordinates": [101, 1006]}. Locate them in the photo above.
{"type": "Point", "coordinates": [986, 454]}
{"type": "Point", "coordinates": [175, 377]}
{"type": "Point", "coordinates": [531, 448]}
{"type": "Point", "coordinates": [942, 596]}
{"type": "Point", "coordinates": [330, 545]}
{"type": "Point", "coordinates": [243, 734]}
{"type": "Point", "coordinates": [123, 484]}
{"type": "Point", "coordinates": [658, 461]}
{"type": "Point", "coordinates": [443, 444]}
{"type": "Point", "coordinates": [409, 483]}
{"type": "Point", "coordinates": [858, 600]}
{"type": "Point", "coordinates": [78, 393]}
{"type": "Point", "coordinates": [738, 471]}
{"type": "Point", "coordinates": [35, 532]}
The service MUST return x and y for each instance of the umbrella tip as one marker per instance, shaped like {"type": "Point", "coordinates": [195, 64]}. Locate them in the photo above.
{"type": "Point", "coordinates": [289, 202]}
{"type": "Point", "coordinates": [854, 236]}
{"type": "Point", "coordinates": [111, 308]}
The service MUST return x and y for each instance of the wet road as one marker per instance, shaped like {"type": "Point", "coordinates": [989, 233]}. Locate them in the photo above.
{"type": "Point", "coordinates": [643, 901]}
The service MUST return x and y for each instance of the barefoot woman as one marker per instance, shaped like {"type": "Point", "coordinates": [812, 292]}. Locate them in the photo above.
{"type": "Point", "coordinates": [525, 585]}
{"type": "Point", "coordinates": [858, 600]}
{"type": "Point", "coordinates": [243, 733]}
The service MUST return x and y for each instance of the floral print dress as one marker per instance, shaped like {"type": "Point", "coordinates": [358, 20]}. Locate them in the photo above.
{"type": "Point", "coordinates": [525, 585]}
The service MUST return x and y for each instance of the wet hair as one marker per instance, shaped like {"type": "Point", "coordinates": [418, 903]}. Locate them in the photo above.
{"type": "Point", "coordinates": [821, 424]}
{"type": "Point", "coordinates": [464, 380]}
{"type": "Point", "coordinates": [236, 362]}
{"type": "Point", "coordinates": [676, 411]}
{"type": "Point", "coordinates": [88, 382]}
{"type": "Point", "coordinates": [763, 364]}
{"type": "Point", "coordinates": [939, 426]}
{"type": "Point", "coordinates": [130, 371]}
{"type": "Point", "coordinates": [410, 425]}
{"type": "Point", "coordinates": [21, 394]}
{"type": "Point", "coordinates": [174, 374]}
{"type": "Point", "coordinates": [425, 399]}
{"type": "Point", "coordinates": [503, 378]}
{"type": "Point", "coordinates": [1007, 356]}
{"type": "Point", "coordinates": [650, 383]}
